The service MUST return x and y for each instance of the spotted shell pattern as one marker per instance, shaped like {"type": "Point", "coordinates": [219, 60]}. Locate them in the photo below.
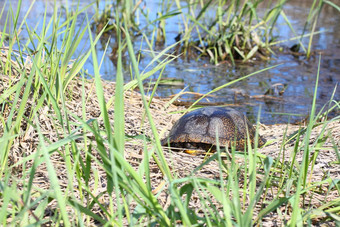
{"type": "Point", "coordinates": [201, 126]}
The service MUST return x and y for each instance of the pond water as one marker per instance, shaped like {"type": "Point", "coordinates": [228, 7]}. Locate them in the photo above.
{"type": "Point", "coordinates": [297, 73]}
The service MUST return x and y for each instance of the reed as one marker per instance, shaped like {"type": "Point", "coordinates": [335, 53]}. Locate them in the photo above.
{"type": "Point", "coordinates": [233, 31]}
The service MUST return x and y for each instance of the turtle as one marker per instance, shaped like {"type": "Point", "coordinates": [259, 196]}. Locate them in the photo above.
{"type": "Point", "coordinates": [197, 130]}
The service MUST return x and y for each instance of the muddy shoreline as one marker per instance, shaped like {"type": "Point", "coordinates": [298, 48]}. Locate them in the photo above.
{"type": "Point", "coordinates": [137, 124]}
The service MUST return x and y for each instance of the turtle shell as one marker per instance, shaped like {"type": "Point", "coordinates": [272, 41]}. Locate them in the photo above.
{"type": "Point", "coordinates": [198, 129]}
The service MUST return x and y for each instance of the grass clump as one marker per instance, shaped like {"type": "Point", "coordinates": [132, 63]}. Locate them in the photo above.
{"type": "Point", "coordinates": [75, 151]}
{"type": "Point", "coordinates": [232, 31]}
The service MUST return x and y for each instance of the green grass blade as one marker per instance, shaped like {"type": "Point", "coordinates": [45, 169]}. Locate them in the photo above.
{"type": "Point", "coordinates": [54, 180]}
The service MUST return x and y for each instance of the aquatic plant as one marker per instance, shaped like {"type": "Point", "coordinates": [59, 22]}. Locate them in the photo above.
{"type": "Point", "coordinates": [231, 31]}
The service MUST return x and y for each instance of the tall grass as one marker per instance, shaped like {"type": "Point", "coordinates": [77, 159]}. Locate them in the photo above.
{"type": "Point", "coordinates": [219, 30]}
{"type": "Point", "coordinates": [86, 147]}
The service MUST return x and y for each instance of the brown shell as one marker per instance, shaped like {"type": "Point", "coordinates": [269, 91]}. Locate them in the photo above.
{"type": "Point", "coordinates": [200, 127]}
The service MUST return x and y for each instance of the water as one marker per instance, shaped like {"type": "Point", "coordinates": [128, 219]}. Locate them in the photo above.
{"type": "Point", "coordinates": [297, 73]}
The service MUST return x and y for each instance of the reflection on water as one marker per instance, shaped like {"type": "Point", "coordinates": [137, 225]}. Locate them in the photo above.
{"type": "Point", "coordinates": [297, 73]}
